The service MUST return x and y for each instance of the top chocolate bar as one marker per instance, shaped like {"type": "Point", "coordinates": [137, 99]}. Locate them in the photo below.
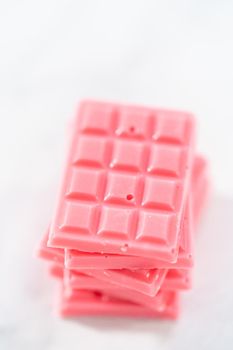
{"type": "Point", "coordinates": [126, 181]}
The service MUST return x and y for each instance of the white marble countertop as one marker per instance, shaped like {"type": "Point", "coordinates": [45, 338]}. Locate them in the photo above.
{"type": "Point", "coordinates": [168, 53]}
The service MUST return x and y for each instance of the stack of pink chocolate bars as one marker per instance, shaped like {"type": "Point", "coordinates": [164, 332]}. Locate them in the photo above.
{"type": "Point", "coordinates": [121, 236]}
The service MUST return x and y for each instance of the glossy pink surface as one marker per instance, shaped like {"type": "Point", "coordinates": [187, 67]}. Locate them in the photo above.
{"type": "Point", "coordinates": [125, 183]}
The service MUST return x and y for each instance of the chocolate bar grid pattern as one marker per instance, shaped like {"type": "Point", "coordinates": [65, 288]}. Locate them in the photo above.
{"type": "Point", "coordinates": [134, 149]}
{"type": "Point", "coordinates": [75, 259]}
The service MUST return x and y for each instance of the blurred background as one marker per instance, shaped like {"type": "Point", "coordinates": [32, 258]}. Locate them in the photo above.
{"type": "Point", "coordinates": [174, 54]}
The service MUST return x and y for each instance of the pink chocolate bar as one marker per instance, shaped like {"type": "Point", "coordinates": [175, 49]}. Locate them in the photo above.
{"type": "Point", "coordinates": [147, 281]}
{"type": "Point", "coordinates": [82, 303]}
{"type": "Point", "coordinates": [176, 279]}
{"type": "Point", "coordinates": [75, 259]}
{"type": "Point", "coordinates": [126, 181]}
{"type": "Point", "coordinates": [112, 291]}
